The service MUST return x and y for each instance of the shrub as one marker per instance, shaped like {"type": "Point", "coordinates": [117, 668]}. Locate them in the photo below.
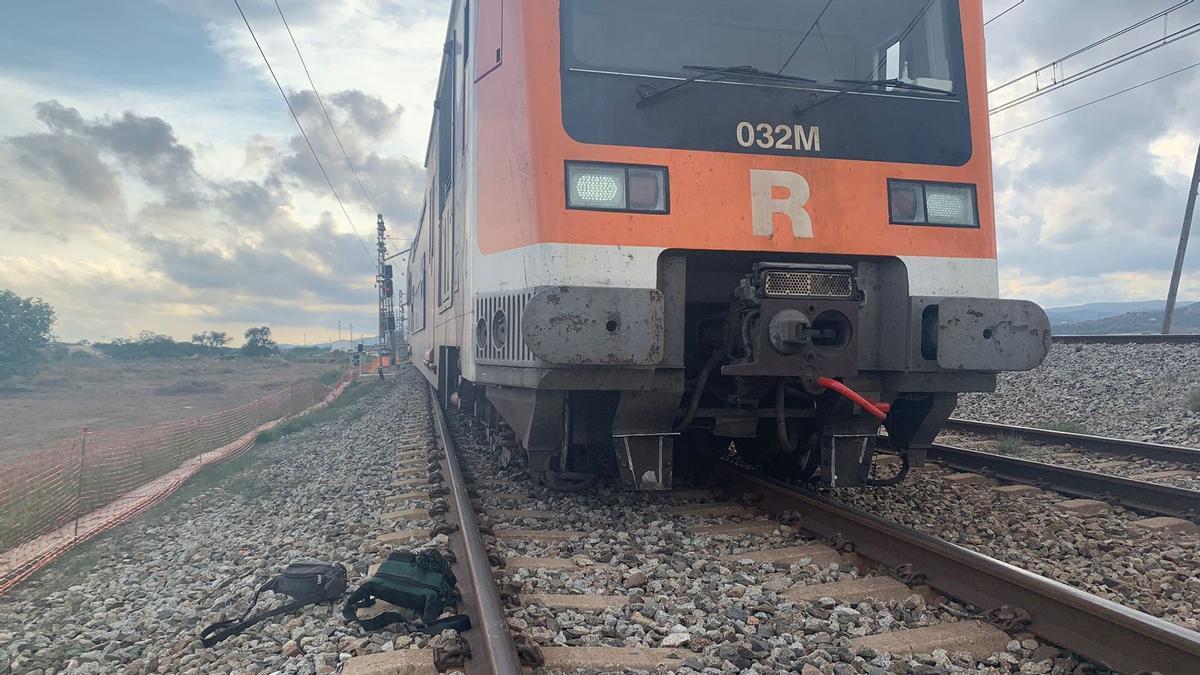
{"type": "Point", "coordinates": [1010, 444]}
{"type": "Point", "coordinates": [1066, 426]}
{"type": "Point", "coordinates": [1193, 399]}
{"type": "Point", "coordinates": [149, 345]}
{"type": "Point", "coordinates": [189, 387]}
{"type": "Point", "coordinates": [328, 377]}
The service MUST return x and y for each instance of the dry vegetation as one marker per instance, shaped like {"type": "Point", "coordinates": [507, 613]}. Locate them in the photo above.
{"type": "Point", "coordinates": [101, 393]}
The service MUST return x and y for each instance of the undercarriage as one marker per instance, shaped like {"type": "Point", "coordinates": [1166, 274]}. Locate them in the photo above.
{"type": "Point", "coordinates": [794, 365]}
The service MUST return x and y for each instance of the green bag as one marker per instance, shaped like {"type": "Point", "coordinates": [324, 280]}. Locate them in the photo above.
{"type": "Point", "coordinates": [421, 581]}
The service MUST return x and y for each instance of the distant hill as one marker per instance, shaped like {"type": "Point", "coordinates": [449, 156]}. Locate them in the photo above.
{"type": "Point", "coordinates": [1102, 310]}
{"type": "Point", "coordinates": [1187, 320]}
{"type": "Point", "coordinates": [343, 345]}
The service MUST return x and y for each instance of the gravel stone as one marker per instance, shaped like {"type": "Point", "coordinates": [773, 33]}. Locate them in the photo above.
{"type": "Point", "coordinates": [134, 600]}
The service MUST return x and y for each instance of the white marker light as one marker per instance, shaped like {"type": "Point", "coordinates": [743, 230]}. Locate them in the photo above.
{"type": "Point", "coordinates": [596, 187]}
{"type": "Point", "coordinates": [947, 205]}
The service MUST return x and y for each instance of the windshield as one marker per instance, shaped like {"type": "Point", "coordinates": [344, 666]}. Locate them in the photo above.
{"type": "Point", "coordinates": [829, 41]}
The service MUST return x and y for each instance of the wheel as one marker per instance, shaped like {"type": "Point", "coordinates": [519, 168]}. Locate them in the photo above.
{"type": "Point", "coordinates": [768, 453]}
{"type": "Point", "coordinates": [504, 458]}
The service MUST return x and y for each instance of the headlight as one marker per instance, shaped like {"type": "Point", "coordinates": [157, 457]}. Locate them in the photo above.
{"type": "Point", "coordinates": [945, 204]}
{"type": "Point", "coordinates": [610, 187]}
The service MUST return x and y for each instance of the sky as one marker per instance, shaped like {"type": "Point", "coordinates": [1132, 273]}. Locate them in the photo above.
{"type": "Point", "coordinates": [151, 177]}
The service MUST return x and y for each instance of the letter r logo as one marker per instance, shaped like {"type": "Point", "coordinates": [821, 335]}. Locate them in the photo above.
{"type": "Point", "coordinates": [779, 193]}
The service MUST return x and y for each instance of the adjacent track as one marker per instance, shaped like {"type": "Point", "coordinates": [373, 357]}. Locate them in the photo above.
{"type": "Point", "coordinates": [1114, 446]}
{"type": "Point", "coordinates": [1111, 634]}
{"type": "Point", "coordinates": [1127, 339]}
{"type": "Point", "coordinates": [1136, 494]}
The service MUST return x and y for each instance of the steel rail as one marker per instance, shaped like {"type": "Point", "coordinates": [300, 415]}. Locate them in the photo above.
{"type": "Point", "coordinates": [493, 651]}
{"type": "Point", "coordinates": [1128, 339]}
{"type": "Point", "coordinates": [1115, 446]}
{"type": "Point", "coordinates": [1103, 631]}
{"type": "Point", "coordinates": [1136, 494]}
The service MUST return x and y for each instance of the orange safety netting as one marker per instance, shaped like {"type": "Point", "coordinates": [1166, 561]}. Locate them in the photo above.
{"type": "Point", "coordinates": [53, 499]}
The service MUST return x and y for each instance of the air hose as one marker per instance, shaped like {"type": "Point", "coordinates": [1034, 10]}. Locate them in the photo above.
{"type": "Point", "coordinates": [714, 360]}
{"type": "Point", "coordinates": [880, 412]}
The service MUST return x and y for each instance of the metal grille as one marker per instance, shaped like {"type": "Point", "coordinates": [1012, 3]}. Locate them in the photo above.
{"type": "Point", "coordinates": [496, 312]}
{"type": "Point", "coordinates": [808, 284]}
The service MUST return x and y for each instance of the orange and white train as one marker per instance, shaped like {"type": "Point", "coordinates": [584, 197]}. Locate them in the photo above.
{"type": "Point", "coordinates": [655, 230]}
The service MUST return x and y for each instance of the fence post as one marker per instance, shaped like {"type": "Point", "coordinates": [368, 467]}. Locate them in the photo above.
{"type": "Point", "coordinates": [83, 431]}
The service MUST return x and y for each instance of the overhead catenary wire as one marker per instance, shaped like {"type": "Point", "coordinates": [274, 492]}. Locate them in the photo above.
{"type": "Point", "coordinates": [1011, 8]}
{"type": "Point", "coordinates": [1192, 29]}
{"type": "Point", "coordinates": [916, 20]}
{"type": "Point", "coordinates": [1092, 45]}
{"type": "Point", "coordinates": [325, 111]}
{"type": "Point", "coordinates": [805, 38]}
{"type": "Point", "coordinates": [300, 126]}
{"type": "Point", "coordinates": [1098, 100]}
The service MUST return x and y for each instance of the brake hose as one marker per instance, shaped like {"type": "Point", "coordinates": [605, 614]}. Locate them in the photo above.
{"type": "Point", "coordinates": [879, 411]}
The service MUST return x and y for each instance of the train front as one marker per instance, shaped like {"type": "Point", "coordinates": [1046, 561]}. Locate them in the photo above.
{"type": "Point", "coordinates": [783, 210]}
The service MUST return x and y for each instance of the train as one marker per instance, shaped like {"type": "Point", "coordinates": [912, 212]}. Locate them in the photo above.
{"type": "Point", "coordinates": [659, 231]}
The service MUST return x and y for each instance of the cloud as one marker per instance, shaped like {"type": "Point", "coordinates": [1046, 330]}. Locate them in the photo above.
{"type": "Point", "coordinates": [369, 114]}
{"type": "Point", "coordinates": [202, 248]}
{"type": "Point", "coordinates": [1088, 204]}
{"type": "Point", "coordinates": [394, 184]}
{"type": "Point", "coordinates": [69, 163]}
{"type": "Point", "coordinates": [147, 145]}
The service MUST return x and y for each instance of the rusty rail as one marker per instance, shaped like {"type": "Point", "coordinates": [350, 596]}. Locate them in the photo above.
{"type": "Point", "coordinates": [491, 642]}
{"type": "Point", "coordinates": [1101, 630]}
{"type": "Point", "coordinates": [1136, 494]}
{"type": "Point", "coordinates": [1114, 446]}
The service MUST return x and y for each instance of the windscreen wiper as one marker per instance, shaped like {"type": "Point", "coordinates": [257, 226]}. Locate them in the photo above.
{"type": "Point", "coordinates": [898, 84]}
{"type": "Point", "coordinates": [713, 71]}
{"type": "Point", "coordinates": [755, 72]}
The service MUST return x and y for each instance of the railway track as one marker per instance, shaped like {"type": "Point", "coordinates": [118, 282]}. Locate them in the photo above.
{"type": "Point", "coordinates": [1102, 444]}
{"type": "Point", "coordinates": [1127, 339]}
{"type": "Point", "coordinates": [607, 592]}
{"type": "Point", "coordinates": [1111, 634]}
{"type": "Point", "coordinates": [1142, 493]}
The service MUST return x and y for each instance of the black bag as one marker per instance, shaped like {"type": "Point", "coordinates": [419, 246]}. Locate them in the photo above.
{"type": "Point", "coordinates": [422, 582]}
{"type": "Point", "coordinates": [306, 581]}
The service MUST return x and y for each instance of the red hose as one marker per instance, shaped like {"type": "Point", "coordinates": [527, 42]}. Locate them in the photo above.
{"type": "Point", "coordinates": [879, 410]}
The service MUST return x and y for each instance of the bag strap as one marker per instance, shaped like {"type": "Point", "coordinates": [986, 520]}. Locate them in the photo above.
{"type": "Point", "coordinates": [225, 629]}
{"type": "Point", "coordinates": [361, 597]}
{"type": "Point", "coordinates": [459, 622]}
{"type": "Point", "coordinates": [233, 622]}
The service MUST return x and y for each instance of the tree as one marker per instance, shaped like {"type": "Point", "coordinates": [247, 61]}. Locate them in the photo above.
{"type": "Point", "coordinates": [211, 339]}
{"type": "Point", "coordinates": [24, 333]}
{"type": "Point", "coordinates": [259, 342]}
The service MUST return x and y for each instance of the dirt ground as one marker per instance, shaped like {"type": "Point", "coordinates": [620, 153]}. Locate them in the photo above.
{"type": "Point", "coordinates": [105, 394]}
